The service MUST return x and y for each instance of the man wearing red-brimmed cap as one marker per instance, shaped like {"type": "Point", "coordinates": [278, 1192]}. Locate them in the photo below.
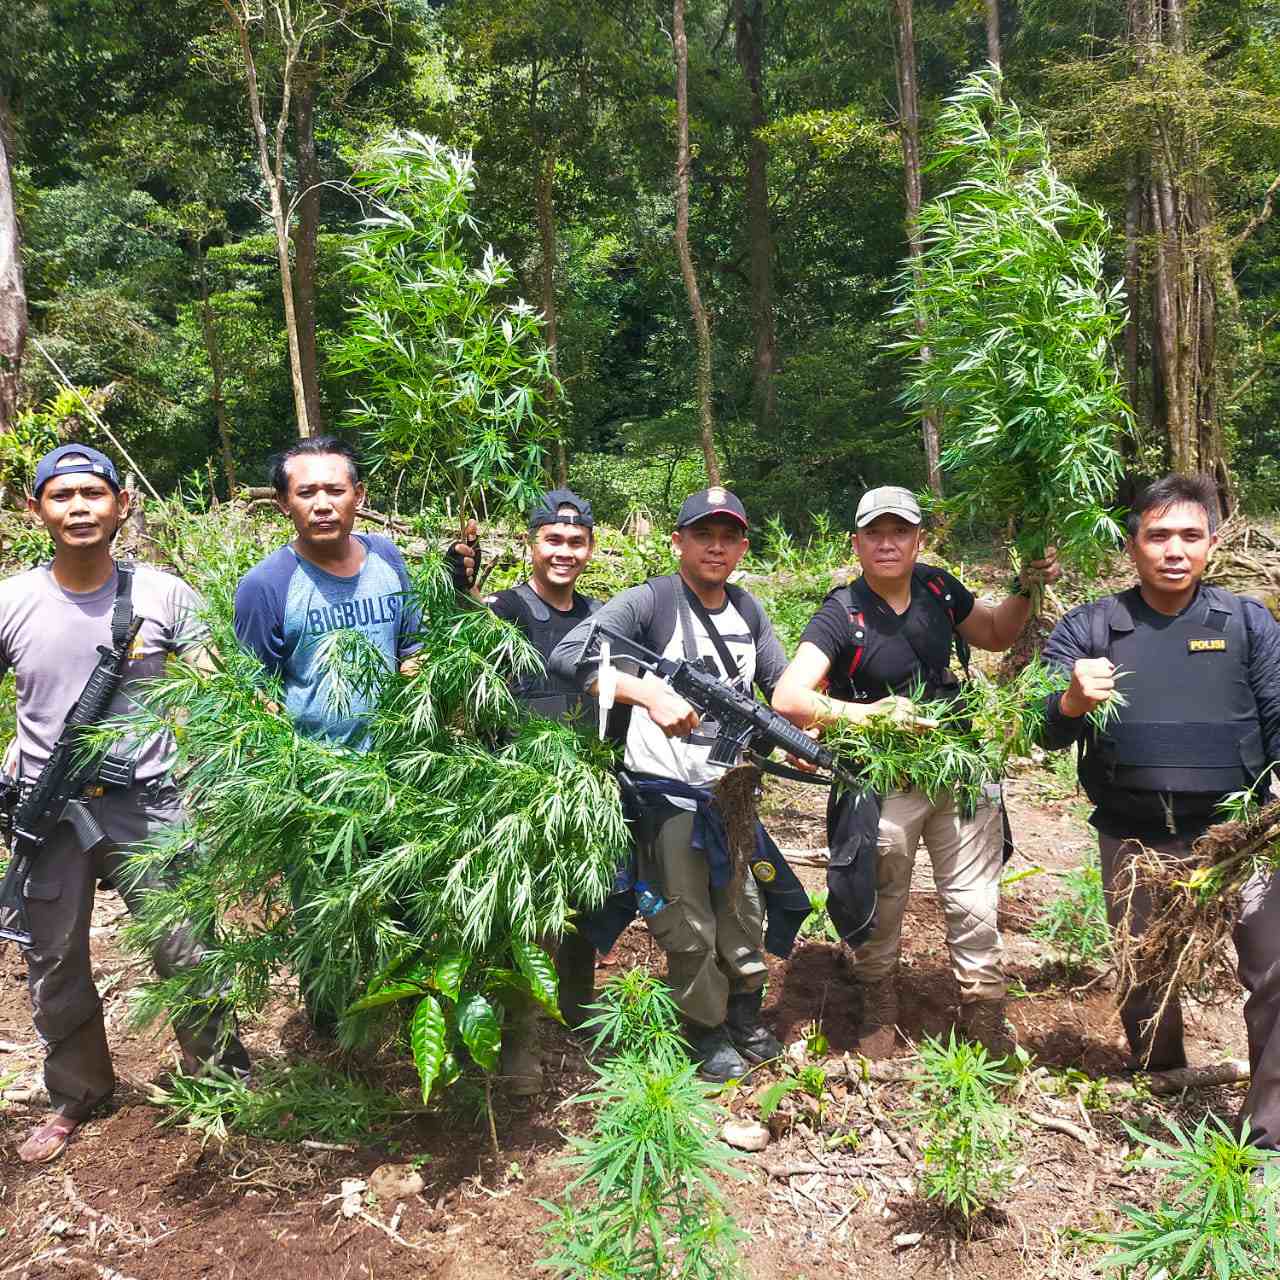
{"type": "Point", "coordinates": [714, 944]}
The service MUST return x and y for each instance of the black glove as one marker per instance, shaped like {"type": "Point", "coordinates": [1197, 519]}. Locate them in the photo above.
{"type": "Point", "coordinates": [462, 572]}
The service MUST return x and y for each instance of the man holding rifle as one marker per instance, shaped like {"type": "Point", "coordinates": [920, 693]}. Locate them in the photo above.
{"type": "Point", "coordinates": [714, 945]}
{"type": "Point", "coordinates": [55, 622]}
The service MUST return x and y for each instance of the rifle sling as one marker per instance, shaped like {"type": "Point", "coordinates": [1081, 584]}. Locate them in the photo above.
{"type": "Point", "coordinates": [686, 601]}
{"type": "Point", "coordinates": [122, 610]}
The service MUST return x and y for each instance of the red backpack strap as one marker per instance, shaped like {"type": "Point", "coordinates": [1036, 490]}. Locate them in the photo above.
{"type": "Point", "coordinates": [858, 622]}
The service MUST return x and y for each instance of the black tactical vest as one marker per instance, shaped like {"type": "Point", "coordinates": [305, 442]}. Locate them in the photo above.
{"type": "Point", "coordinates": [1189, 733]}
{"type": "Point", "coordinates": [542, 692]}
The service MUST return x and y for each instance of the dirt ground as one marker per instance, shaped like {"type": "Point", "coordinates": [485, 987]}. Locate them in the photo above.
{"type": "Point", "coordinates": [133, 1200]}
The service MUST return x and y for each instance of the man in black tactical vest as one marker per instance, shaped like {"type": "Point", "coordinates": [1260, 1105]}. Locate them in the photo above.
{"type": "Point", "coordinates": [714, 941]}
{"type": "Point", "coordinates": [1199, 669]}
{"type": "Point", "coordinates": [871, 644]}
{"type": "Point", "coordinates": [545, 608]}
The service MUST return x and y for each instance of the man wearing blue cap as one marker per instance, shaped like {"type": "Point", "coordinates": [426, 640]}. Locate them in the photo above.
{"type": "Point", "coordinates": [545, 608]}
{"type": "Point", "coordinates": [52, 620]}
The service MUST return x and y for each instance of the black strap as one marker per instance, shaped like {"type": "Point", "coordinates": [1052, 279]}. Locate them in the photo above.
{"type": "Point", "coordinates": [686, 601]}
{"type": "Point", "coordinates": [122, 610]}
{"type": "Point", "coordinates": [533, 602]}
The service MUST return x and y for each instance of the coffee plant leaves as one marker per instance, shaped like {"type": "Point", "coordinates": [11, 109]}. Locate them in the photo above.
{"type": "Point", "coordinates": [536, 966]}
{"type": "Point", "coordinates": [480, 1031]}
{"type": "Point", "coordinates": [449, 971]}
{"type": "Point", "coordinates": [386, 995]}
{"type": "Point", "coordinates": [427, 1037]}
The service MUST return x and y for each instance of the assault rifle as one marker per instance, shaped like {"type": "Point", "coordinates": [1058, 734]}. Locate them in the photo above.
{"type": "Point", "coordinates": [30, 815]}
{"type": "Point", "coordinates": [744, 723]}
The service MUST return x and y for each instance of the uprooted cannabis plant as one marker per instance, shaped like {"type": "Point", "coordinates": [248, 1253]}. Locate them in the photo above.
{"type": "Point", "coordinates": [1009, 321]}
{"type": "Point", "coordinates": [417, 877]}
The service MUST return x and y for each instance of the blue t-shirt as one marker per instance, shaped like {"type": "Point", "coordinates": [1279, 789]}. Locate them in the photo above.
{"type": "Point", "coordinates": [287, 607]}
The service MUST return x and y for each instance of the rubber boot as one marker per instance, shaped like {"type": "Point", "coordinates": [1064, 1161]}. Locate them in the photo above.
{"type": "Point", "coordinates": [521, 1059]}
{"type": "Point", "coordinates": [983, 1021]}
{"type": "Point", "coordinates": [714, 1053]}
{"type": "Point", "coordinates": [878, 1032]}
{"type": "Point", "coordinates": [576, 970]}
{"type": "Point", "coordinates": [752, 1039]}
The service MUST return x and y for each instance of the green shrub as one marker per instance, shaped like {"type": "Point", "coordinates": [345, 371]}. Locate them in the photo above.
{"type": "Point", "coordinates": [968, 1138]}
{"type": "Point", "coordinates": [636, 1014]}
{"type": "Point", "coordinates": [1074, 921]}
{"type": "Point", "coordinates": [1218, 1220]}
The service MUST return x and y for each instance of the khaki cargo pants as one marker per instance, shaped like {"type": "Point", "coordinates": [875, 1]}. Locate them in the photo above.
{"type": "Point", "coordinates": [966, 853]}
{"type": "Point", "coordinates": [65, 1005]}
{"type": "Point", "coordinates": [714, 948]}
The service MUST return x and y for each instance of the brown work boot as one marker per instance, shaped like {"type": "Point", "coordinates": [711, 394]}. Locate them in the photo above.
{"type": "Point", "coordinates": [878, 1030]}
{"type": "Point", "coordinates": [48, 1140]}
{"type": "Point", "coordinates": [984, 1022]}
{"type": "Point", "coordinates": [521, 1057]}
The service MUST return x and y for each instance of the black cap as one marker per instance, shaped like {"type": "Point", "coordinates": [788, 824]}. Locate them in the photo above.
{"type": "Point", "coordinates": [710, 502]}
{"type": "Point", "coordinates": [547, 510]}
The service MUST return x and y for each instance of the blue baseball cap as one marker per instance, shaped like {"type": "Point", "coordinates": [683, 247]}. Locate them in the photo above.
{"type": "Point", "coordinates": [74, 459]}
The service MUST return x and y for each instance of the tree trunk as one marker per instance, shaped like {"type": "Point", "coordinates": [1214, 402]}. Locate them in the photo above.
{"type": "Point", "coordinates": [273, 176]}
{"type": "Point", "coordinates": [213, 349]}
{"type": "Point", "coordinates": [909, 115]}
{"type": "Point", "coordinates": [701, 326]}
{"type": "Point", "coordinates": [13, 294]}
{"type": "Point", "coordinates": [749, 26]}
{"type": "Point", "coordinates": [993, 33]}
{"type": "Point", "coordinates": [544, 198]}
{"type": "Point", "coordinates": [305, 234]}
{"type": "Point", "coordinates": [1133, 289]}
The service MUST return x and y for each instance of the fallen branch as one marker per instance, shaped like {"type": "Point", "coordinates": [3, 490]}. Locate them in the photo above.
{"type": "Point", "coordinates": [1233, 1071]}
{"type": "Point", "coordinates": [782, 1171]}
{"type": "Point", "coordinates": [1057, 1125]}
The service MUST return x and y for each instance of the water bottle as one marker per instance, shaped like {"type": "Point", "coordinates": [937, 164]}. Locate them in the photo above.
{"type": "Point", "coordinates": [648, 901]}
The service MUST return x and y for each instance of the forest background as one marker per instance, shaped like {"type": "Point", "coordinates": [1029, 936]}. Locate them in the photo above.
{"type": "Point", "coordinates": [147, 264]}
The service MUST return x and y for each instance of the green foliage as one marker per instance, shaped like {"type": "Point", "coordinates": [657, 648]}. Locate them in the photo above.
{"type": "Point", "coordinates": [1217, 1218]}
{"type": "Point", "coordinates": [818, 924]}
{"type": "Point", "coordinates": [282, 1103]}
{"type": "Point", "coordinates": [1074, 921]}
{"type": "Point", "coordinates": [636, 1014]}
{"type": "Point", "coordinates": [645, 1203]}
{"type": "Point", "coordinates": [433, 861]}
{"type": "Point", "coordinates": [810, 1080]}
{"type": "Point", "coordinates": [969, 1139]}
{"type": "Point", "coordinates": [1017, 322]}
{"type": "Point", "coordinates": [452, 377]}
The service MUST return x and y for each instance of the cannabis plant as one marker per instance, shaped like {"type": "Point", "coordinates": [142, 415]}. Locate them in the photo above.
{"type": "Point", "coordinates": [417, 877]}
{"type": "Point", "coordinates": [452, 374]}
{"type": "Point", "coordinates": [1217, 1220]}
{"type": "Point", "coordinates": [1016, 326]}
{"type": "Point", "coordinates": [1074, 920]}
{"type": "Point", "coordinates": [969, 1139]}
{"type": "Point", "coordinates": [636, 1013]}
{"type": "Point", "coordinates": [645, 1203]}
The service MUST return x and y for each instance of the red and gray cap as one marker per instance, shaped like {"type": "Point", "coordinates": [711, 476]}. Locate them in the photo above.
{"type": "Point", "coordinates": [710, 502]}
{"type": "Point", "coordinates": [74, 459]}
{"type": "Point", "coordinates": [887, 500]}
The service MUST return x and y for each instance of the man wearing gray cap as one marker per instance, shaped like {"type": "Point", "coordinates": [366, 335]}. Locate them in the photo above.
{"type": "Point", "coordinates": [873, 642]}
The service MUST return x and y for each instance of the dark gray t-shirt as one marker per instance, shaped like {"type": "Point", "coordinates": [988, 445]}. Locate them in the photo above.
{"type": "Point", "coordinates": [50, 637]}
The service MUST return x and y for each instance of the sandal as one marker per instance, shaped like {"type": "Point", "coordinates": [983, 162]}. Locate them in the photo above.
{"type": "Point", "coordinates": [48, 1141]}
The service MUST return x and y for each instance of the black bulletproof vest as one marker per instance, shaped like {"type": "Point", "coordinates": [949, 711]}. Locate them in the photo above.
{"type": "Point", "coordinates": [1189, 732]}
{"type": "Point", "coordinates": [544, 693]}
{"type": "Point", "coordinates": [928, 627]}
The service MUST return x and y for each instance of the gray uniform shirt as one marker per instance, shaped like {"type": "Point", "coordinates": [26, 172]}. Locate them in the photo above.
{"type": "Point", "coordinates": [648, 749]}
{"type": "Point", "coordinates": [49, 638]}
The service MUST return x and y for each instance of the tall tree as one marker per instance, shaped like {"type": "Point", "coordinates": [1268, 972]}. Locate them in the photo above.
{"type": "Point", "coordinates": [13, 296]}
{"type": "Point", "coordinates": [993, 33]}
{"type": "Point", "coordinates": [698, 310]}
{"type": "Point", "coordinates": [749, 27]}
{"type": "Point", "coordinates": [306, 232]}
{"type": "Point", "coordinates": [909, 126]}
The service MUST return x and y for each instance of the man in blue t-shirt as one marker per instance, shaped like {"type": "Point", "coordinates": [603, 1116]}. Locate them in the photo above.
{"type": "Point", "coordinates": [293, 605]}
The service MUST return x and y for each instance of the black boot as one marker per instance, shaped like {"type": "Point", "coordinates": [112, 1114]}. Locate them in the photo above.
{"type": "Point", "coordinates": [714, 1053]}
{"type": "Point", "coordinates": [576, 970]}
{"type": "Point", "coordinates": [750, 1036]}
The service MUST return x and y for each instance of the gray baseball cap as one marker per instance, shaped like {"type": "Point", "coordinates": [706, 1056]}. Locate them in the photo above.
{"type": "Point", "coordinates": [887, 500]}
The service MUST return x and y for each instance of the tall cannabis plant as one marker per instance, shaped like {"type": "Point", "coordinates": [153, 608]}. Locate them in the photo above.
{"type": "Point", "coordinates": [419, 875]}
{"type": "Point", "coordinates": [1018, 323]}
{"type": "Point", "coordinates": [450, 374]}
